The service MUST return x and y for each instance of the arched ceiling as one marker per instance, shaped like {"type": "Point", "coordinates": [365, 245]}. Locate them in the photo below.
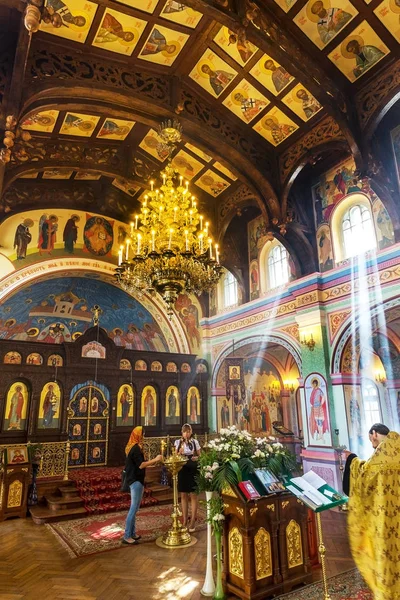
{"type": "Point", "coordinates": [261, 88]}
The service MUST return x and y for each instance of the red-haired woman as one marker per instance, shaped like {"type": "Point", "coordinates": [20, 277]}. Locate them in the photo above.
{"type": "Point", "coordinates": [135, 466]}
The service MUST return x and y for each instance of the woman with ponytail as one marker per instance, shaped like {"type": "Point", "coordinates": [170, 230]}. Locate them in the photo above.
{"type": "Point", "coordinates": [189, 447]}
{"type": "Point", "coordinates": [135, 466]}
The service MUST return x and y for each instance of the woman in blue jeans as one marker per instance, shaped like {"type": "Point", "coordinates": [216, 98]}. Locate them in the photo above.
{"type": "Point", "coordinates": [135, 466]}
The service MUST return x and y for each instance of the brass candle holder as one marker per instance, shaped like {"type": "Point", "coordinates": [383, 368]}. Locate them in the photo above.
{"type": "Point", "coordinates": [177, 535]}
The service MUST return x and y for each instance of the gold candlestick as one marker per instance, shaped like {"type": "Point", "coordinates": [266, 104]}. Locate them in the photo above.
{"type": "Point", "coordinates": [322, 552]}
{"type": "Point", "coordinates": [177, 535]}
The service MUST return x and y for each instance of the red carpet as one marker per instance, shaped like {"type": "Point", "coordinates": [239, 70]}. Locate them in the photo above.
{"type": "Point", "coordinates": [99, 533]}
{"type": "Point", "coordinates": [99, 489]}
{"type": "Point", "coordinates": [345, 586]}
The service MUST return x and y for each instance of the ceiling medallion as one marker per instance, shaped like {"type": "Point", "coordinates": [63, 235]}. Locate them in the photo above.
{"type": "Point", "coordinates": [169, 249]}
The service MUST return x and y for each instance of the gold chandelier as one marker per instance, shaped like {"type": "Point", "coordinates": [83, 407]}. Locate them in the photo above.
{"type": "Point", "coordinates": [169, 249]}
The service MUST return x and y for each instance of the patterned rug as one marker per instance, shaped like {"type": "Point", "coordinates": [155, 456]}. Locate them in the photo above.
{"type": "Point", "coordinates": [345, 586]}
{"type": "Point", "coordinates": [99, 489]}
{"type": "Point", "coordinates": [99, 533]}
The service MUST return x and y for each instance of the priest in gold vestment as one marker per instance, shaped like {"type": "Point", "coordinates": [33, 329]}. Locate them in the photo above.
{"type": "Point", "coordinates": [374, 513]}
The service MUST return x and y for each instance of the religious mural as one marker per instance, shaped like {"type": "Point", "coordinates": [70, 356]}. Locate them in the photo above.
{"type": "Point", "coordinates": [118, 32]}
{"type": "Point", "coordinates": [254, 276]}
{"type": "Point", "coordinates": [125, 406]}
{"type": "Point", "coordinates": [93, 349]}
{"type": "Point", "coordinates": [43, 121]}
{"type": "Point", "coordinates": [271, 74]}
{"type": "Point", "coordinates": [16, 407]}
{"type": "Point", "coordinates": [275, 126]}
{"type": "Point", "coordinates": [186, 165]}
{"type": "Point", "coordinates": [144, 5]}
{"type": "Point", "coordinates": [358, 52]}
{"type": "Point", "coordinates": [224, 170]}
{"type": "Point", "coordinates": [115, 129]}
{"type": "Point", "coordinates": [224, 412]}
{"type": "Point", "coordinates": [321, 22]}
{"type": "Point", "coordinates": [53, 311]}
{"type": "Point", "coordinates": [34, 359]}
{"type": "Point", "coordinates": [388, 12]}
{"type": "Point", "coordinates": [317, 410]}
{"type": "Point", "coordinates": [189, 312]}
{"type": "Point", "coordinates": [261, 405]}
{"type": "Point", "coordinates": [55, 360]}
{"type": "Point", "coordinates": [126, 186]}
{"type": "Point", "coordinates": [286, 5]}
{"type": "Point", "coordinates": [245, 101]}
{"type": "Point", "coordinates": [193, 408]}
{"type": "Point", "coordinates": [236, 45]}
{"type": "Point", "coordinates": [212, 73]}
{"type": "Point", "coordinates": [257, 236]}
{"type": "Point", "coordinates": [324, 247]}
{"type": "Point", "coordinates": [163, 45]}
{"type": "Point", "coordinates": [12, 358]}
{"type": "Point", "coordinates": [148, 413]}
{"type": "Point", "coordinates": [154, 145]}
{"type": "Point", "coordinates": [49, 406]}
{"type": "Point", "coordinates": [70, 19]}
{"type": "Point", "coordinates": [172, 406]}
{"type": "Point", "coordinates": [355, 418]}
{"type": "Point", "coordinates": [181, 14]}
{"type": "Point", "coordinates": [332, 186]}
{"type": "Point", "coordinates": [383, 225]}
{"type": "Point", "coordinates": [198, 152]}
{"type": "Point", "coordinates": [212, 183]}
{"type": "Point", "coordinates": [87, 176]}
{"type": "Point", "coordinates": [302, 102]}
{"type": "Point", "coordinates": [57, 173]}
{"type": "Point", "coordinates": [79, 124]}
{"type": "Point", "coordinates": [98, 235]}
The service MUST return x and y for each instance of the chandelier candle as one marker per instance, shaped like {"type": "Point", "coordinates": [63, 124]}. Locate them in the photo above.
{"type": "Point", "coordinates": [174, 251]}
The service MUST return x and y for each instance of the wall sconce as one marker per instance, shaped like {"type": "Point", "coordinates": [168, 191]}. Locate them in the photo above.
{"type": "Point", "coordinates": [289, 386]}
{"type": "Point", "coordinates": [380, 377]}
{"type": "Point", "coordinates": [310, 343]}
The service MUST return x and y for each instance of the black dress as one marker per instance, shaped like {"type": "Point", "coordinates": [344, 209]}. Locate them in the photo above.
{"type": "Point", "coordinates": [187, 475]}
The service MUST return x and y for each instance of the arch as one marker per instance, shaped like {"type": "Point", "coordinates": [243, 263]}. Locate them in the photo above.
{"type": "Point", "coordinates": [347, 328]}
{"type": "Point", "coordinates": [265, 254]}
{"type": "Point", "coordinates": [45, 96]}
{"type": "Point", "coordinates": [12, 358]}
{"type": "Point", "coordinates": [172, 329]}
{"type": "Point", "coordinates": [263, 340]}
{"type": "Point", "coordinates": [336, 221]}
{"type": "Point", "coordinates": [389, 100]}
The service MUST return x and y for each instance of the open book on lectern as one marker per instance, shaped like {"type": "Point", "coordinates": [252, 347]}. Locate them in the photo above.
{"type": "Point", "coordinates": [314, 492]}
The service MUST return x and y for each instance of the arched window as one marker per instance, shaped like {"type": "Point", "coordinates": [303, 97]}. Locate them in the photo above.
{"type": "Point", "coordinates": [372, 409]}
{"type": "Point", "coordinates": [230, 290]}
{"type": "Point", "coordinates": [278, 266]}
{"type": "Point", "coordinates": [358, 230]}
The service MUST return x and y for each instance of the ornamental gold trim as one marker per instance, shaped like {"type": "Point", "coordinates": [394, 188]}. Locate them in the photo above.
{"type": "Point", "coordinates": [240, 510]}
{"type": "Point", "coordinates": [263, 554]}
{"type": "Point", "coordinates": [235, 544]}
{"type": "Point", "coordinates": [253, 511]}
{"type": "Point", "coordinates": [271, 507]}
{"type": "Point", "coordinates": [14, 498]}
{"type": "Point", "coordinates": [293, 544]}
{"type": "Point", "coordinates": [228, 491]}
{"type": "Point", "coordinates": [285, 503]}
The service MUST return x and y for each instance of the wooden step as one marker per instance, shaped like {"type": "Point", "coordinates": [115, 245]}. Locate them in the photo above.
{"type": "Point", "coordinates": [61, 503]}
{"type": "Point", "coordinates": [43, 514]}
{"type": "Point", "coordinates": [69, 492]}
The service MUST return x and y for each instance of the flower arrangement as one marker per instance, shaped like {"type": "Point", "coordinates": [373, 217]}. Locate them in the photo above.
{"type": "Point", "coordinates": [235, 454]}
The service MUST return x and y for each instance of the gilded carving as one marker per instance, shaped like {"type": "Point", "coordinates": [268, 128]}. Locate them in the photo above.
{"type": "Point", "coordinates": [262, 553]}
{"type": "Point", "coordinates": [285, 503]}
{"type": "Point", "coordinates": [236, 552]}
{"type": "Point", "coordinates": [293, 544]}
{"type": "Point", "coordinates": [228, 491]}
{"type": "Point", "coordinates": [376, 93]}
{"type": "Point", "coordinates": [271, 507]}
{"type": "Point", "coordinates": [325, 131]}
{"type": "Point", "coordinates": [239, 510]}
{"type": "Point", "coordinates": [14, 498]}
{"type": "Point", "coordinates": [253, 511]}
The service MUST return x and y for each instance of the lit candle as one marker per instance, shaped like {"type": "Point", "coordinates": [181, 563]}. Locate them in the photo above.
{"type": "Point", "coordinates": [186, 239]}
{"type": "Point", "coordinates": [206, 228]}
{"type": "Point", "coordinates": [187, 185]}
{"type": "Point", "coordinates": [136, 220]}
{"type": "Point", "coordinates": [180, 180]}
{"type": "Point", "coordinates": [153, 236]}
{"type": "Point", "coordinates": [194, 204]}
{"type": "Point", "coordinates": [152, 185]}
{"type": "Point", "coordinates": [163, 178]}
{"type": "Point", "coordinates": [186, 220]}
{"type": "Point", "coordinates": [201, 243]}
{"type": "Point", "coordinates": [139, 237]}
{"type": "Point", "coordinates": [175, 209]}
{"type": "Point", "coordinates": [190, 215]}
{"type": "Point", "coordinates": [170, 238]}
{"type": "Point", "coordinates": [201, 221]}
{"type": "Point", "coordinates": [145, 200]}
{"type": "Point", "coordinates": [127, 249]}
{"type": "Point", "coordinates": [192, 200]}
{"type": "Point", "coordinates": [161, 209]}
{"type": "Point", "coordinates": [210, 247]}
{"type": "Point", "coordinates": [216, 253]}
{"type": "Point", "coordinates": [121, 248]}
{"type": "Point", "coordinates": [131, 228]}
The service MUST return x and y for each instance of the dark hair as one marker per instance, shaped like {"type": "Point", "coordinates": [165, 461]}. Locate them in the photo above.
{"type": "Point", "coordinates": [379, 428]}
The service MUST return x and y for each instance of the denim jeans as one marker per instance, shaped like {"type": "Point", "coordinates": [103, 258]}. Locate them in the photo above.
{"type": "Point", "coordinates": [137, 489]}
